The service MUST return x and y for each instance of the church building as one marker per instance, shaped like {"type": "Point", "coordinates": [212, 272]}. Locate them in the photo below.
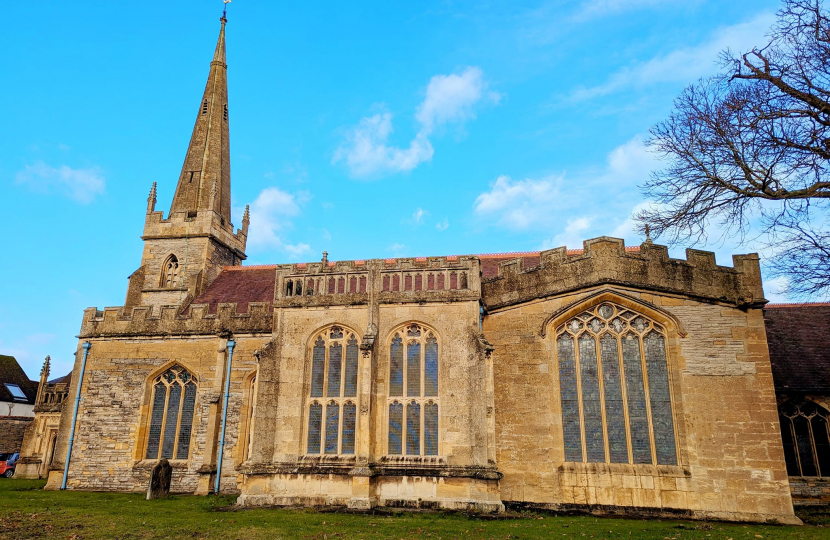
{"type": "Point", "coordinates": [609, 378]}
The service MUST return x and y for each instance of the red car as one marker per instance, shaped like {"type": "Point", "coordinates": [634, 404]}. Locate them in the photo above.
{"type": "Point", "coordinates": [7, 464]}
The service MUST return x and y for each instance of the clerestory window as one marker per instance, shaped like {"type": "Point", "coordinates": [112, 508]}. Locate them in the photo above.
{"type": "Point", "coordinates": [332, 409]}
{"type": "Point", "coordinates": [804, 431]}
{"type": "Point", "coordinates": [170, 272]}
{"type": "Point", "coordinates": [614, 388]}
{"type": "Point", "coordinates": [413, 392]}
{"type": "Point", "coordinates": [171, 416]}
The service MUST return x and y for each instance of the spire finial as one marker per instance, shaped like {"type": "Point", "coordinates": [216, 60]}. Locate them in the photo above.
{"type": "Point", "coordinates": [246, 219]}
{"type": "Point", "coordinates": [45, 371]}
{"type": "Point", "coordinates": [225, 12]}
{"type": "Point", "coordinates": [151, 200]}
{"type": "Point", "coordinates": [648, 234]}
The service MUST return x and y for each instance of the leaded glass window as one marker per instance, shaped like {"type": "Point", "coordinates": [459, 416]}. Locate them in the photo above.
{"type": "Point", "coordinates": [614, 388]}
{"type": "Point", "coordinates": [413, 392]}
{"type": "Point", "coordinates": [171, 414]}
{"type": "Point", "coordinates": [332, 408]}
{"type": "Point", "coordinates": [804, 431]}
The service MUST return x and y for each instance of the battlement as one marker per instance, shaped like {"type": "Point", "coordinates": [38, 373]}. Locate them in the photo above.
{"type": "Point", "coordinates": [412, 279]}
{"type": "Point", "coordinates": [51, 397]}
{"type": "Point", "coordinates": [606, 260]}
{"type": "Point", "coordinates": [204, 223]}
{"type": "Point", "coordinates": [168, 321]}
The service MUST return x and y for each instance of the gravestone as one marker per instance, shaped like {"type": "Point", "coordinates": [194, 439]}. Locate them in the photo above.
{"type": "Point", "coordinates": [160, 481]}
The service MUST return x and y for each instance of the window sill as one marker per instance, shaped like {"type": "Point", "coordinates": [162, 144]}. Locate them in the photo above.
{"type": "Point", "coordinates": [165, 289]}
{"type": "Point", "coordinates": [150, 463]}
{"type": "Point", "coordinates": [671, 471]}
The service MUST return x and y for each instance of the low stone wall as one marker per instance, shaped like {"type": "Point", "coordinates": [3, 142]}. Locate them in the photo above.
{"type": "Point", "coordinates": [809, 490]}
{"type": "Point", "coordinates": [12, 429]}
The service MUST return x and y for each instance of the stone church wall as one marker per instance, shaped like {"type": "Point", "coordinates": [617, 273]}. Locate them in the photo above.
{"type": "Point", "coordinates": [731, 463]}
{"type": "Point", "coordinates": [113, 418]}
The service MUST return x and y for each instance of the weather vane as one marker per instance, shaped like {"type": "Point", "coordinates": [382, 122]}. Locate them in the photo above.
{"type": "Point", "coordinates": [225, 12]}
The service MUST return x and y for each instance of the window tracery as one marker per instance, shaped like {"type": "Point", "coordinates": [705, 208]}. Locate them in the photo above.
{"type": "Point", "coordinates": [171, 417]}
{"type": "Point", "coordinates": [804, 431]}
{"type": "Point", "coordinates": [614, 388]}
{"type": "Point", "coordinates": [334, 378]}
{"type": "Point", "coordinates": [413, 392]}
{"type": "Point", "coordinates": [170, 272]}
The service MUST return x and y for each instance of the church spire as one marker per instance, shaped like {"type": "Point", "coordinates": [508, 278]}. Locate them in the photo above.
{"type": "Point", "coordinates": [205, 181]}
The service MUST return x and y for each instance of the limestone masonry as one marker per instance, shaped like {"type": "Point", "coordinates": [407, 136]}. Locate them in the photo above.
{"type": "Point", "coordinates": [611, 378]}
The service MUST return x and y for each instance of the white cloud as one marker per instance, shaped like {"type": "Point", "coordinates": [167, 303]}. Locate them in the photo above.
{"type": "Point", "coordinates": [597, 8]}
{"type": "Point", "coordinates": [81, 185]}
{"type": "Point", "coordinates": [366, 152]}
{"type": "Point", "coordinates": [417, 217]}
{"type": "Point", "coordinates": [443, 225]}
{"type": "Point", "coordinates": [573, 235]}
{"type": "Point", "coordinates": [452, 98]}
{"type": "Point", "coordinates": [449, 99]}
{"type": "Point", "coordinates": [685, 64]}
{"type": "Point", "coordinates": [547, 203]}
{"type": "Point", "coordinates": [397, 250]}
{"type": "Point", "coordinates": [519, 204]}
{"type": "Point", "coordinates": [271, 215]}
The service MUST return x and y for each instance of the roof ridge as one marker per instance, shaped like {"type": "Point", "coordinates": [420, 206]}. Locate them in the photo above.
{"type": "Point", "coordinates": [796, 304]}
{"type": "Point", "coordinates": [251, 267]}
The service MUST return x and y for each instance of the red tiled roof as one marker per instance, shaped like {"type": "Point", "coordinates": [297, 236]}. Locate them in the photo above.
{"type": "Point", "coordinates": [799, 346]}
{"type": "Point", "coordinates": [240, 284]}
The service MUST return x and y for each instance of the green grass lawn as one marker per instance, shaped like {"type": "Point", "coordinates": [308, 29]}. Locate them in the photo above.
{"type": "Point", "coordinates": [26, 511]}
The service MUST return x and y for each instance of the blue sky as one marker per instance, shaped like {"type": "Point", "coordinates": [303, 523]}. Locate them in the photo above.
{"type": "Point", "coordinates": [366, 129]}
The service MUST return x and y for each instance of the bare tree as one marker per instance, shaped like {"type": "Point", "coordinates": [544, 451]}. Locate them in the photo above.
{"type": "Point", "coordinates": [749, 150]}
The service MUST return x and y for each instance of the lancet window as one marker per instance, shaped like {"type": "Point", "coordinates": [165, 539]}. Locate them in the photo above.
{"type": "Point", "coordinates": [413, 392]}
{"type": "Point", "coordinates": [332, 409]}
{"type": "Point", "coordinates": [614, 388]}
{"type": "Point", "coordinates": [170, 272]}
{"type": "Point", "coordinates": [804, 431]}
{"type": "Point", "coordinates": [171, 416]}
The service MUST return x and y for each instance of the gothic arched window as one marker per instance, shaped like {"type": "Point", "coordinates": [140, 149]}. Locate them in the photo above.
{"type": "Point", "coordinates": [804, 430]}
{"type": "Point", "coordinates": [614, 388]}
{"type": "Point", "coordinates": [413, 392]}
{"type": "Point", "coordinates": [332, 409]}
{"type": "Point", "coordinates": [171, 416]}
{"type": "Point", "coordinates": [170, 272]}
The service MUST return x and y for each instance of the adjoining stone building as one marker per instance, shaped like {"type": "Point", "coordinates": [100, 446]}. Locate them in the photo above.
{"type": "Point", "coordinates": [40, 440]}
{"type": "Point", "coordinates": [610, 378]}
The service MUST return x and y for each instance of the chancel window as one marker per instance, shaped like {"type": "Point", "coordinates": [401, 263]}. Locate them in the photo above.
{"type": "Point", "coordinates": [614, 388]}
{"type": "Point", "coordinates": [804, 431]}
{"type": "Point", "coordinates": [413, 392]}
{"type": "Point", "coordinates": [171, 416]}
{"type": "Point", "coordinates": [170, 272]}
{"type": "Point", "coordinates": [332, 409]}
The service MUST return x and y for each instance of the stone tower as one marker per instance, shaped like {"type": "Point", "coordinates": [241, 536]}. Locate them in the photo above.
{"type": "Point", "coordinates": [184, 253]}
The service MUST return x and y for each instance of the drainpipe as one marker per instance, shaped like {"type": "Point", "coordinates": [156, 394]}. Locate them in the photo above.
{"type": "Point", "coordinates": [86, 347]}
{"type": "Point", "coordinates": [231, 344]}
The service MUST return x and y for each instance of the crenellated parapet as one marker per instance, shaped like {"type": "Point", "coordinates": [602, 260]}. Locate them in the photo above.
{"type": "Point", "coordinates": [399, 280]}
{"type": "Point", "coordinates": [605, 260]}
{"type": "Point", "coordinates": [166, 321]}
{"type": "Point", "coordinates": [201, 224]}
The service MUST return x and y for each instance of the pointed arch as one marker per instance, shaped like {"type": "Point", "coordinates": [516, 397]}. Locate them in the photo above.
{"type": "Point", "coordinates": [615, 391]}
{"type": "Point", "coordinates": [172, 393]}
{"type": "Point", "coordinates": [170, 276]}
{"type": "Point", "coordinates": [413, 393]}
{"type": "Point", "coordinates": [332, 391]}
{"type": "Point", "coordinates": [246, 417]}
{"type": "Point", "coordinates": [611, 295]}
{"type": "Point", "coordinates": [805, 432]}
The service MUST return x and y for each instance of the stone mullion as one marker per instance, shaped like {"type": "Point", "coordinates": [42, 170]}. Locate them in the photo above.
{"type": "Point", "coordinates": [601, 386]}
{"type": "Point", "coordinates": [647, 392]}
{"type": "Point", "coordinates": [578, 372]}
{"type": "Point", "coordinates": [624, 386]}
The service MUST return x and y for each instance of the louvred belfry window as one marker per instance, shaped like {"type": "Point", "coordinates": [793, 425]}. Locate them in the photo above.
{"type": "Point", "coordinates": [413, 392]}
{"type": "Point", "coordinates": [332, 409]}
{"type": "Point", "coordinates": [171, 416]}
{"type": "Point", "coordinates": [614, 388]}
{"type": "Point", "coordinates": [805, 431]}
